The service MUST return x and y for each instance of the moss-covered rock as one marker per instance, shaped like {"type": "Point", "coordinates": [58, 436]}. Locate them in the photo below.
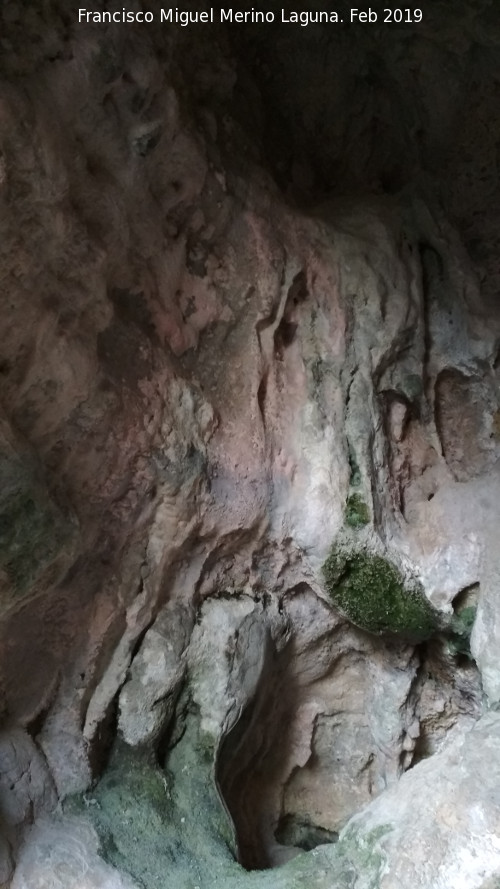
{"type": "Point", "coordinates": [165, 827]}
{"type": "Point", "coordinates": [356, 511]}
{"type": "Point", "coordinates": [373, 593]}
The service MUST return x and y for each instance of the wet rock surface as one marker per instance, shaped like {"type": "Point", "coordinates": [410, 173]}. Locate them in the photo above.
{"type": "Point", "coordinates": [212, 376]}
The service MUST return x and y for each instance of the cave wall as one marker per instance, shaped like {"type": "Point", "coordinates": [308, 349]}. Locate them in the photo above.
{"type": "Point", "coordinates": [223, 348]}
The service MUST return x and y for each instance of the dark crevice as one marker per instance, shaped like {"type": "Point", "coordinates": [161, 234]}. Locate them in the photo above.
{"type": "Point", "coordinates": [449, 675]}
{"type": "Point", "coordinates": [261, 397]}
{"type": "Point", "coordinates": [302, 833]}
{"type": "Point", "coordinates": [432, 269]}
{"type": "Point", "coordinates": [251, 757]}
{"type": "Point", "coordinates": [298, 292]}
{"type": "Point", "coordinates": [285, 333]}
{"type": "Point", "coordinates": [102, 744]}
{"type": "Point", "coordinates": [284, 336]}
{"type": "Point", "coordinates": [466, 597]}
{"type": "Point", "coordinates": [35, 726]}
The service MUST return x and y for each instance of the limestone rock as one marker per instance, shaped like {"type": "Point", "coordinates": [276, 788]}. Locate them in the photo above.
{"type": "Point", "coordinates": [62, 853]}
{"type": "Point", "coordinates": [457, 825]}
{"type": "Point", "coordinates": [25, 781]}
{"type": "Point", "coordinates": [148, 698]}
{"type": "Point", "coordinates": [26, 792]}
{"type": "Point", "coordinates": [208, 373]}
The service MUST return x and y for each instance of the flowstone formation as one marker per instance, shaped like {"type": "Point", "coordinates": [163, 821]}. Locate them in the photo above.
{"type": "Point", "coordinates": [249, 457]}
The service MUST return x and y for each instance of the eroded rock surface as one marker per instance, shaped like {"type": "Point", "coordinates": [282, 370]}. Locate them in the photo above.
{"type": "Point", "coordinates": [409, 834]}
{"type": "Point", "coordinates": [206, 385]}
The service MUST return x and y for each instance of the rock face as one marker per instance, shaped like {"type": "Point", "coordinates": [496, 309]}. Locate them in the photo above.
{"type": "Point", "coordinates": [210, 388]}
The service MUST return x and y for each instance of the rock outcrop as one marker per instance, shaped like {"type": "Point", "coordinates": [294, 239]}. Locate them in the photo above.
{"type": "Point", "coordinates": [212, 384]}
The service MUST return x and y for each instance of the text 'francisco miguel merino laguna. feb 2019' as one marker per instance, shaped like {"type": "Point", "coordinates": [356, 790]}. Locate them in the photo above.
{"type": "Point", "coordinates": [184, 17]}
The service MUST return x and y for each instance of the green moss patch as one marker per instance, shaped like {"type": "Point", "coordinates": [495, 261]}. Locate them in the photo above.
{"type": "Point", "coordinates": [356, 512]}
{"type": "Point", "coordinates": [164, 826]}
{"type": "Point", "coordinates": [372, 593]}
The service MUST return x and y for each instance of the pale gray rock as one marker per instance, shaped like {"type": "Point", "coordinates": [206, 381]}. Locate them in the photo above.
{"type": "Point", "coordinates": [439, 828]}
{"type": "Point", "coordinates": [148, 698]}
{"type": "Point", "coordinates": [485, 639]}
{"type": "Point", "coordinates": [26, 791]}
{"type": "Point", "coordinates": [26, 786]}
{"type": "Point", "coordinates": [62, 853]}
{"type": "Point", "coordinates": [6, 862]}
